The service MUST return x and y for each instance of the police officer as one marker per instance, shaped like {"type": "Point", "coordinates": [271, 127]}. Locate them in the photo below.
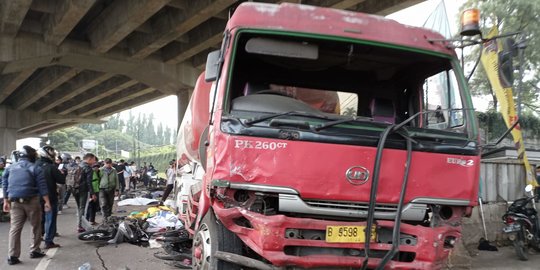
{"type": "Point", "coordinates": [23, 184]}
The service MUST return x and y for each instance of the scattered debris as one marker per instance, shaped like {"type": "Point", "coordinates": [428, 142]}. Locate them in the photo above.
{"type": "Point", "coordinates": [138, 201]}
{"type": "Point", "coordinates": [485, 245]}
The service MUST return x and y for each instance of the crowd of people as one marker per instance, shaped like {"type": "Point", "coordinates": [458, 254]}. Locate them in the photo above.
{"type": "Point", "coordinates": [39, 184]}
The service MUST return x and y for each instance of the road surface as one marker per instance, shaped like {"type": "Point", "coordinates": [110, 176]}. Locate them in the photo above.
{"type": "Point", "coordinates": [74, 253]}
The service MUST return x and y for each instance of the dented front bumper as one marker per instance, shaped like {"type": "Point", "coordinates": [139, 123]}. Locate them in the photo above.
{"type": "Point", "coordinates": [266, 235]}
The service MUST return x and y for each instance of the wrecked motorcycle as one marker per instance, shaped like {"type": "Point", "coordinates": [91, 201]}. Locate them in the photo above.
{"type": "Point", "coordinates": [117, 230]}
{"type": "Point", "coordinates": [522, 224]}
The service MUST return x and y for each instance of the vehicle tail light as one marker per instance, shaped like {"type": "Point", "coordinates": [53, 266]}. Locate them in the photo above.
{"type": "Point", "coordinates": [509, 220]}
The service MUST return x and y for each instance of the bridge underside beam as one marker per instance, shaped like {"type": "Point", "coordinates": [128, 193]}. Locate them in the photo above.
{"type": "Point", "coordinates": [28, 51]}
{"type": "Point", "coordinates": [132, 103]}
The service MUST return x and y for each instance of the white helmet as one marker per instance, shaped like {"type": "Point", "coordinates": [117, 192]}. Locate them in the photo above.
{"type": "Point", "coordinates": [48, 152]}
{"type": "Point", "coordinates": [66, 157]}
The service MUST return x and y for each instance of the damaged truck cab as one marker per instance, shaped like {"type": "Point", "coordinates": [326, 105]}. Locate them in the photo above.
{"type": "Point", "coordinates": [327, 139]}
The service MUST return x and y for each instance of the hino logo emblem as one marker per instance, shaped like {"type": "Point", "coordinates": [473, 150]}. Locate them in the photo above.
{"type": "Point", "coordinates": [357, 175]}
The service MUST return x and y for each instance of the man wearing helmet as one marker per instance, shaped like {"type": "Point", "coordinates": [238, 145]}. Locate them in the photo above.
{"type": "Point", "coordinates": [23, 184]}
{"type": "Point", "coordinates": [53, 177]}
{"type": "Point", "coordinates": [85, 186]}
{"type": "Point", "coordinates": [65, 159]}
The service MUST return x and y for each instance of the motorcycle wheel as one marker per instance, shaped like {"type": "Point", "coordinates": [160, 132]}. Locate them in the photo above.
{"type": "Point", "coordinates": [520, 245]}
{"type": "Point", "coordinates": [96, 235]}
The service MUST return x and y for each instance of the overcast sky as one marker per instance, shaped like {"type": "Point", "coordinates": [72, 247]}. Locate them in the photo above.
{"type": "Point", "coordinates": [164, 109]}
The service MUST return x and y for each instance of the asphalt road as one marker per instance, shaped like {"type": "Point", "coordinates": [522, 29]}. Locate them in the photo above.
{"type": "Point", "coordinates": [505, 259]}
{"type": "Point", "coordinates": [74, 252]}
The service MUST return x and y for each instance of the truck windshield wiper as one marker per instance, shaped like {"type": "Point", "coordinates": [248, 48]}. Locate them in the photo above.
{"type": "Point", "coordinates": [342, 121]}
{"type": "Point", "coordinates": [293, 113]}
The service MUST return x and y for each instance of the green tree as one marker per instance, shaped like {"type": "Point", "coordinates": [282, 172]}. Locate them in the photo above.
{"type": "Point", "coordinates": [113, 140]}
{"type": "Point", "coordinates": [167, 135]}
{"type": "Point", "coordinates": [511, 16]}
{"type": "Point", "coordinates": [174, 135]}
{"type": "Point", "coordinates": [159, 135]}
{"type": "Point", "coordinates": [68, 139]}
{"type": "Point", "coordinates": [91, 128]}
{"type": "Point", "coordinates": [150, 131]}
{"type": "Point", "coordinates": [114, 122]}
{"type": "Point", "coordinates": [493, 123]}
{"type": "Point", "coordinates": [130, 125]}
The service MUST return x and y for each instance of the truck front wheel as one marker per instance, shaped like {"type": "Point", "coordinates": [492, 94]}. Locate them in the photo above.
{"type": "Point", "coordinates": [212, 236]}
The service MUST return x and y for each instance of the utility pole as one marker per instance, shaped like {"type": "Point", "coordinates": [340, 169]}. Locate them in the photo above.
{"type": "Point", "coordinates": [138, 147]}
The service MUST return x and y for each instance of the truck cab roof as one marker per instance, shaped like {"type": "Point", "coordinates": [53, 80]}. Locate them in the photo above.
{"type": "Point", "coordinates": [334, 22]}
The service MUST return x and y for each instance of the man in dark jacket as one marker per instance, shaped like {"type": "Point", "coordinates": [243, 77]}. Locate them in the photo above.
{"type": "Point", "coordinates": [85, 186]}
{"type": "Point", "coordinates": [54, 177]}
{"type": "Point", "coordinates": [23, 183]}
{"type": "Point", "coordinates": [120, 168]}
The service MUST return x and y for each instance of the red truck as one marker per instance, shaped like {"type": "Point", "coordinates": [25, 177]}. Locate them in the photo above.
{"type": "Point", "coordinates": [327, 139]}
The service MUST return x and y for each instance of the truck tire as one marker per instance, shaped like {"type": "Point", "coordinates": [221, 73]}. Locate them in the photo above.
{"type": "Point", "coordinates": [212, 236]}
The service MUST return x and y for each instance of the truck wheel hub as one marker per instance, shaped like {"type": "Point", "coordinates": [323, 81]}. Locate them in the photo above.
{"type": "Point", "coordinates": [202, 248]}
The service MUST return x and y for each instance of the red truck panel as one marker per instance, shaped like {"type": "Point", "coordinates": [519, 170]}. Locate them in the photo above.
{"type": "Point", "coordinates": [317, 170]}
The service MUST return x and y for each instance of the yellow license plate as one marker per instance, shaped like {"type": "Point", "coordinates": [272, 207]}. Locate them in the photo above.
{"type": "Point", "coordinates": [347, 234]}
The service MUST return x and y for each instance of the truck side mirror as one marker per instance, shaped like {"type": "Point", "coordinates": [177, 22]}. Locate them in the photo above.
{"type": "Point", "coordinates": [506, 69]}
{"type": "Point", "coordinates": [212, 66]}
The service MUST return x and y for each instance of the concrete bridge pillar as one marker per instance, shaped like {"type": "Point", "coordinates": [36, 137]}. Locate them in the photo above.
{"type": "Point", "coordinates": [183, 101]}
{"type": "Point", "coordinates": [9, 124]}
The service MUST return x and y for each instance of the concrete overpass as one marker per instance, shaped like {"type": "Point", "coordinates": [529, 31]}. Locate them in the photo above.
{"type": "Point", "coordinates": [64, 62]}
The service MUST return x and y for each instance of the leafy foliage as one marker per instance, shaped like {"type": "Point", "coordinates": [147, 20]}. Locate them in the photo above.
{"type": "Point", "coordinates": [493, 123]}
{"type": "Point", "coordinates": [135, 135]}
{"type": "Point", "coordinates": [511, 16]}
{"type": "Point", "coordinates": [159, 160]}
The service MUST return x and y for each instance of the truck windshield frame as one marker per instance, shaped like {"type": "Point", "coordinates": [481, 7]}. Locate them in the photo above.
{"type": "Point", "coordinates": [362, 128]}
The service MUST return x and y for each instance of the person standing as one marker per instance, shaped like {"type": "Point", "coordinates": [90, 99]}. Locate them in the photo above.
{"type": "Point", "coordinates": [53, 177]}
{"type": "Point", "coordinates": [134, 177]}
{"type": "Point", "coordinates": [62, 189]}
{"type": "Point", "coordinates": [120, 169]}
{"type": "Point", "coordinates": [85, 187]}
{"type": "Point", "coordinates": [108, 188]}
{"type": "Point", "coordinates": [144, 174]}
{"type": "Point", "coordinates": [23, 183]}
{"type": "Point", "coordinates": [127, 176]}
{"type": "Point", "coordinates": [2, 166]}
{"type": "Point", "coordinates": [93, 205]}
{"type": "Point", "coordinates": [73, 179]}
{"type": "Point", "coordinates": [171, 177]}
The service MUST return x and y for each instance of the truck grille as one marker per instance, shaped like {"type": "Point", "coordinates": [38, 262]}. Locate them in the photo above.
{"type": "Point", "coordinates": [351, 206]}
{"type": "Point", "coordinates": [292, 203]}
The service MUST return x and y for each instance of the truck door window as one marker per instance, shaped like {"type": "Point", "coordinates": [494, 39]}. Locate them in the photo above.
{"type": "Point", "coordinates": [441, 95]}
